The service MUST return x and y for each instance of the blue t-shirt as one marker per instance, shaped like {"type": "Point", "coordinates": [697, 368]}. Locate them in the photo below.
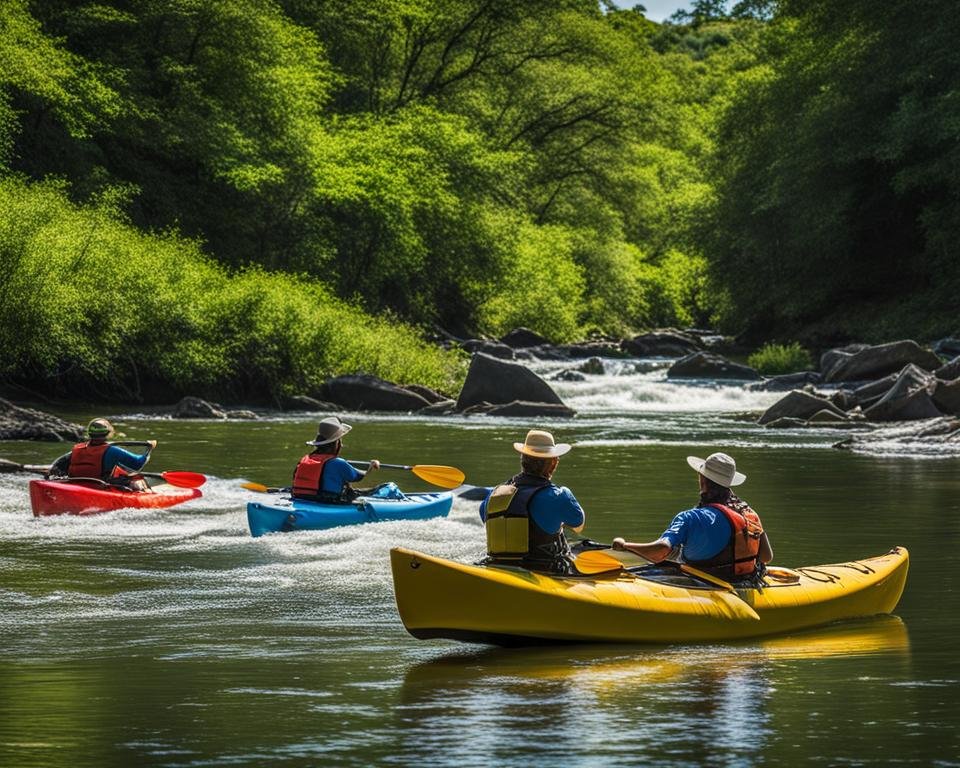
{"type": "Point", "coordinates": [703, 532]}
{"type": "Point", "coordinates": [337, 472]}
{"type": "Point", "coordinates": [116, 455]}
{"type": "Point", "coordinates": [550, 508]}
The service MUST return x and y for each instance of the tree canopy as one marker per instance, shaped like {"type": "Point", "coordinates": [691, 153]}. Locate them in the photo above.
{"type": "Point", "coordinates": [780, 168]}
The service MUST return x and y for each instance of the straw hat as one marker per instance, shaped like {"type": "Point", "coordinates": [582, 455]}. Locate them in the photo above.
{"type": "Point", "coordinates": [329, 430]}
{"type": "Point", "coordinates": [541, 445]}
{"type": "Point", "coordinates": [719, 467]}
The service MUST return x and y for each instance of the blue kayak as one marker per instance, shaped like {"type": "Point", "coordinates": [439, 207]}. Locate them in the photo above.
{"type": "Point", "coordinates": [299, 515]}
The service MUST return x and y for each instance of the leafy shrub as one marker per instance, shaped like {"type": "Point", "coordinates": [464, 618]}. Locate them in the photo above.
{"type": "Point", "coordinates": [774, 359]}
{"type": "Point", "coordinates": [99, 309]}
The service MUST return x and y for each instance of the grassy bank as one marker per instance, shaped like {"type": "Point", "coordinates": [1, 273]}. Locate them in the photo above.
{"type": "Point", "coordinates": [97, 308]}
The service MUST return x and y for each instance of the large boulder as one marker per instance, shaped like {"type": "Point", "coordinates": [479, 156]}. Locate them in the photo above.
{"type": "Point", "coordinates": [519, 338]}
{"type": "Point", "coordinates": [306, 403]}
{"type": "Point", "coordinates": [875, 362]}
{"type": "Point", "coordinates": [500, 382]}
{"type": "Point", "coordinates": [665, 343]}
{"type": "Point", "coordinates": [832, 357]}
{"type": "Point", "coordinates": [946, 396]}
{"type": "Point", "coordinates": [197, 408]}
{"type": "Point", "coordinates": [909, 398]}
{"type": "Point", "coordinates": [521, 408]}
{"type": "Point", "coordinates": [798, 405]}
{"type": "Point", "coordinates": [362, 392]}
{"type": "Point", "coordinates": [706, 365]}
{"type": "Point", "coordinates": [18, 423]}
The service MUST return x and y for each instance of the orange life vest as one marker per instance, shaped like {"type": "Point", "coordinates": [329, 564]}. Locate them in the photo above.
{"type": "Point", "coordinates": [739, 556]}
{"type": "Point", "coordinates": [87, 460]}
{"type": "Point", "coordinates": [308, 476]}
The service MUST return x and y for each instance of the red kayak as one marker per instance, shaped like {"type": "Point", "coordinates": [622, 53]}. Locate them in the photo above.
{"type": "Point", "coordinates": [49, 497]}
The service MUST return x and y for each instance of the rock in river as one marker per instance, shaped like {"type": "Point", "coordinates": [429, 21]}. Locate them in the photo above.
{"type": "Point", "coordinates": [706, 365]}
{"type": "Point", "coordinates": [876, 362]}
{"type": "Point", "coordinates": [18, 423]}
{"type": "Point", "coordinates": [363, 392]}
{"type": "Point", "coordinates": [500, 382]}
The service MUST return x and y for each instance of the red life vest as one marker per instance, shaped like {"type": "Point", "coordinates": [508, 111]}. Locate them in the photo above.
{"type": "Point", "coordinates": [87, 460]}
{"type": "Point", "coordinates": [308, 476]}
{"type": "Point", "coordinates": [739, 557]}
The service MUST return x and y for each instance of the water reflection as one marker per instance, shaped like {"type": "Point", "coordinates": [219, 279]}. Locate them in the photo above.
{"type": "Point", "coordinates": [618, 701]}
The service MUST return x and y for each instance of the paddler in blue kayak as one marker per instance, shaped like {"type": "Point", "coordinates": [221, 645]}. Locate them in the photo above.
{"type": "Point", "coordinates": [721, 535]}
{"type": "Point", "coordinates": [525, 516]}
{"type": "Point", "coordinates": [100, 459]}
{"type": "Point", "coordinates": [322, 475]}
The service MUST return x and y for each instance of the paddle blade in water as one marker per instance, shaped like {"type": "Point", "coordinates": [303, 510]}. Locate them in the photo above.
{"type": "Point", "coordinates": [184, 479]}
{"type": "Point", "coordinates": [445, 477]}
{"type": "Point", "coordinates": [255, 487]}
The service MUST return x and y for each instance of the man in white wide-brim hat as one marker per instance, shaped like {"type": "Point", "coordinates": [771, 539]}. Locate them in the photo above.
{"type": "Point", "coordinates": [322, 475]}
{"type": "Point", "coordinates": [721, 535]}
{"type": "Point", "coordinates": [525, 516]}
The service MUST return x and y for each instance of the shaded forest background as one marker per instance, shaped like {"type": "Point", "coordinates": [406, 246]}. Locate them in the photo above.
{"type": "Point", "coordinates": [241, 198]}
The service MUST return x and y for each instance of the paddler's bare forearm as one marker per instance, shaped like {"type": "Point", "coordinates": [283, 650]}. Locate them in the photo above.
{"type": "Point", "coordinates": [652, 550]}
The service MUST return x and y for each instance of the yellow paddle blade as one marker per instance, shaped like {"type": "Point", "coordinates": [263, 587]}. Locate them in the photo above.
{"type": "Point", "coordinates": [594, 561]}
{"type": "Point", "coordinates": [435, 474]}
{"type": "Point", "coordinates": [255, 487]}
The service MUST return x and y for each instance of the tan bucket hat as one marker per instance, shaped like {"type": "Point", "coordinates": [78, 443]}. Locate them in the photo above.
{"type": "Point", "coordinates": [719, 467]}
{"type": "Point", "coordinates": [541, 445]}
{"type": "Point", "coordinates": [329, 430]}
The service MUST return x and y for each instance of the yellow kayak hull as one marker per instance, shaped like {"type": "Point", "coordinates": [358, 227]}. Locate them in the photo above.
{"type": "Point", "coordinates": [511, 606]}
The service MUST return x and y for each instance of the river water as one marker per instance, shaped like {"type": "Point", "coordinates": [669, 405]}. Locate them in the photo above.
{"type": "Point", "coordinates": [172, 638]}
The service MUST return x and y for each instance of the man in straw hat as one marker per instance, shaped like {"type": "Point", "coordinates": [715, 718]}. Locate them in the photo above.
{"type": "Point", "coordinates": [322, 475]}
{"type": "Point", "coordinates": [721, 535]}
{"type": "Point", "coordinates": [524, 517]}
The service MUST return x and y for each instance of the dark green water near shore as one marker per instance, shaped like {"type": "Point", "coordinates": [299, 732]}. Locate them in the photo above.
{"type": "Point", "coordinates": [172, 638]}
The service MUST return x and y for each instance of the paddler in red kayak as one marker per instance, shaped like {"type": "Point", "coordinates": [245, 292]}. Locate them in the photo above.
{"type": "Point", "coordinates": [97, 458]}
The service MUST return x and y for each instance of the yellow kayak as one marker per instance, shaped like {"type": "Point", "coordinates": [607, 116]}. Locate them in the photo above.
{"type": "Point", "coordinates": [505, 605]}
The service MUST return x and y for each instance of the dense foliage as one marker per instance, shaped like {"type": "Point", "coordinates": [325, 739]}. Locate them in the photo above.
{"type": "Point", "coordinates": [468, 165]}
{"type": "Point", "coordinates": [838, 193]}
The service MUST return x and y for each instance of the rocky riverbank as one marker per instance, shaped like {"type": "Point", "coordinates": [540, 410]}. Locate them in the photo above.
{"type": "Point", "coordinates": [858, 387]}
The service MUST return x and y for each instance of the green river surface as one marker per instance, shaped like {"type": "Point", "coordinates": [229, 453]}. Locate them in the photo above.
{"type": "Point", "coordinates": [173, 638]}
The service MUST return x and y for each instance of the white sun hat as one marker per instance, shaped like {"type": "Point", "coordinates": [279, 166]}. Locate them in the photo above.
{"type": "Point", "coordinates": [719, 467]}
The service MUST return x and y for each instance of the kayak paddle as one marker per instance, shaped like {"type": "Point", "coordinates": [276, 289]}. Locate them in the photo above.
{"type": "Point", "coordinates": [178, 479]}
{"type": "Point", "coordinates": [260, 488]}
{"type": "Point", "coordinates": [435, 474]}
{"type": "Point", "coordinates": [595, 558]}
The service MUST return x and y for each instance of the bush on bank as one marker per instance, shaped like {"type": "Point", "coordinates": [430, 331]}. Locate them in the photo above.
{"type": "Point", "coordinates": [774, 359]}
{"type": "Point", "coordinates": [95, 308]}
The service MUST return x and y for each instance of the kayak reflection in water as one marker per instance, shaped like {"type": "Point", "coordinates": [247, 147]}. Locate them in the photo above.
{"type": "Point", "coordinates": [322, 475]}
{"type": "Point", "coordinates": [524, 517]}
{"type": "Point", "coordinates": [99, 459]}
{"type": "Point", "coordinates": [721, 535]}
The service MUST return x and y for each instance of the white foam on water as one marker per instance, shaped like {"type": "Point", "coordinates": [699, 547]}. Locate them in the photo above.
{"type": "Point", "coordinates": [644, 391]}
